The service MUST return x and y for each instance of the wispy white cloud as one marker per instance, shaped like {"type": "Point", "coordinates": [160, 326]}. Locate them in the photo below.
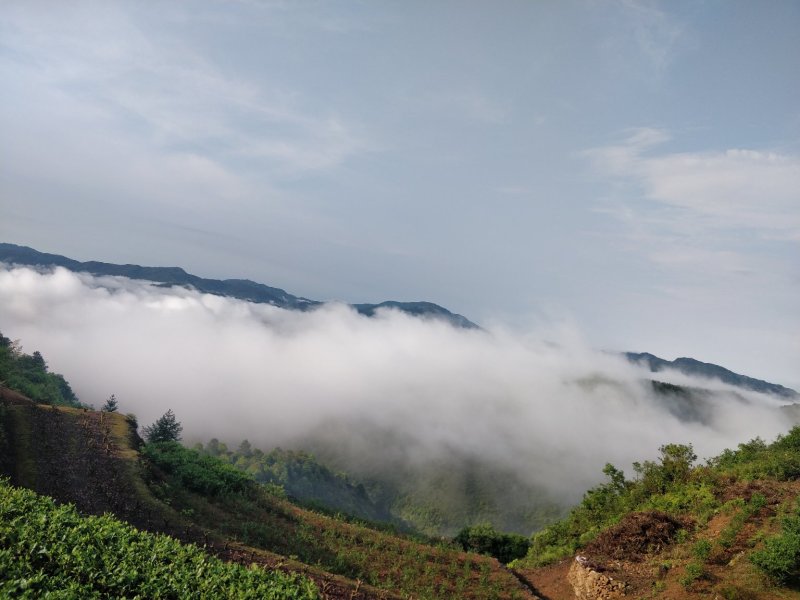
{"type": "Point", "coordinates": [752, 190]}
{"type": "Point", "coordinates": [161, 88]}
{"type": "Point", "coordinates": [715, 233]}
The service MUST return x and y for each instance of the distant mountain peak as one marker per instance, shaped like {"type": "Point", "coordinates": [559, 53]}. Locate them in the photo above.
{"type": "Point", "coordinates": [692, 366]}
{"type": "Point", "coordinates": [243, 289]}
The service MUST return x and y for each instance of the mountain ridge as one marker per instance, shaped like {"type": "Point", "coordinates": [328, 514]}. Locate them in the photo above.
{"type": "Point", "coordinates": [692, 366]}
{"type": "Point", "coordinates": [242, 289]}
{"type": "Point", "coordinates": [252, 291]}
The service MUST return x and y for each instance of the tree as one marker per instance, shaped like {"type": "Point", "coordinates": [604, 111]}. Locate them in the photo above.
{"type": "Point", "coordinates": [674, 468]}
{"type": "Point", "coordinates": [38, 361]}
{"type": "Point", "coordinates": [677, 461]}
{"type": "Point", "coordinates": [245, 449]}
{"type": "Point", "coordinates": [110, 405]}
{"type": "Point", "coordinates": [212, 447]}
{"type": "Point", "coordinates": [483, 538]}
{"type": "Point", "coordinates": [165, 429]}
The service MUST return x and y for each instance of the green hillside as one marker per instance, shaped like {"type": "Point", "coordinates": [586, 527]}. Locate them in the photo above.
{"type": "Point", "coordinates": [728, 528]}
{"type": "Point", "coordinates": [29, 375]}
{"type": "Point", "coordinates": [96, 461]}
{"type": "Point", "coordinates": [303, 478]}
{"type": "Point", "coordinates": [210, 491]}
{"type": "Point", "coordinates": [50, 550]}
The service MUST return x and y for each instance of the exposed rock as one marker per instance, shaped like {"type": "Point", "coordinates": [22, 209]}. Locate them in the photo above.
{"type": "Point", "coordinates": [589, 584]}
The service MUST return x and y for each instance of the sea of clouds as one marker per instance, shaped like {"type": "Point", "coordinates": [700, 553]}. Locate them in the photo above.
{"type": "Point", "coordinates": [541, 402]}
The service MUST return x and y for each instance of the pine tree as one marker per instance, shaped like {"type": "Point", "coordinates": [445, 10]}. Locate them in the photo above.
{"type": "Point", "coordinates": [165, 429]}
{"type": "Point", "coordinates": [110, 405]}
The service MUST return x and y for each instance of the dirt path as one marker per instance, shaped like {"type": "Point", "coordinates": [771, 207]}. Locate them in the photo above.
{"type": "Point", "coordinates": [550, 582]}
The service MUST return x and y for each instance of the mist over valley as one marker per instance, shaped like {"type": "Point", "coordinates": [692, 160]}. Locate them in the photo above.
{"type": "Point", "coordinates": [476, 424]}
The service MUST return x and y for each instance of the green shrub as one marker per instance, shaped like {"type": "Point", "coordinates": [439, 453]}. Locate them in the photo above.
{"type": "Point", "coordinates": [483, 539]}
{"type": "Point", "coordinates": [682, 498]}
{"type": "Point", "coordinates": [195, 472]}
{"type": "Point", "coordinates": [702, 550]}
{"type": "Point", "coordinates": [694, 571]}
{"type": "Point", "coordinates": [756, 459]}
{"type": "Point", "coordinates": [748, 510]}
{"type": "Point", "coordinates": [780, 558]}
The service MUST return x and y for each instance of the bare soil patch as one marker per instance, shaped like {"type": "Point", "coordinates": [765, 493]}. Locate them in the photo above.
{"type": "Point", "coordinates": [550, 582]}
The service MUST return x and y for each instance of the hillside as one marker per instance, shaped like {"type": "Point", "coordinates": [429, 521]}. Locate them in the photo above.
{"type": "Point", "coordinates": [437, 500]}
{"type": "Point", "coordinates": [30, 375]}
{"type": "Point", "coordinates": [47, 550]}
{"type": "Point", "coordinates": [726, 529]}
{"type": "Point", "coordinates": [242, 289]}
{"type": "Point", "coordinates": [676, 530]}
{"type": "Point", "coordinates": [691, 366]}
{"type": "Point", "coordinates": [95, 460]}
{"type": "Point", "coordinates": [304, 479]}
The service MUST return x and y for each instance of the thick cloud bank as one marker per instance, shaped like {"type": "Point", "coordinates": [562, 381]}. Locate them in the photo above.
{"type": "Point", "coordinates": [554, 410]}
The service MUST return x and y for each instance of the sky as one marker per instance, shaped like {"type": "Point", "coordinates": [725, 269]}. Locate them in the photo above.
{"type": "Point", "coordinates": [628, 169]}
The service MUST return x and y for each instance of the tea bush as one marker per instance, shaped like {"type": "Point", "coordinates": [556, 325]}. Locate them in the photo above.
{"type": "Point", "coordinates": [49, 550]}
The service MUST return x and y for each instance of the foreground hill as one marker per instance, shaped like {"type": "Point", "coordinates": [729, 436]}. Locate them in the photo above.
{"type": "Point", "coordinates": [96, 461]}
{"type": "Point", "coordinates": [243, 289]}
{"type": "Point", "coordinates": [727, 529]}
{"type": "Point", "coordinates": [47, 550]}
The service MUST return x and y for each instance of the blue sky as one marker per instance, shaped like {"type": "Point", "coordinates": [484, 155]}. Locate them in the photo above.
{"type": "Point", "coordinates": [631, 168]}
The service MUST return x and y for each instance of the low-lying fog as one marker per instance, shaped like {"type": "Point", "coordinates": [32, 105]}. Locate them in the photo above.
{"type": "Point", "coordinates": [554, 410]}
